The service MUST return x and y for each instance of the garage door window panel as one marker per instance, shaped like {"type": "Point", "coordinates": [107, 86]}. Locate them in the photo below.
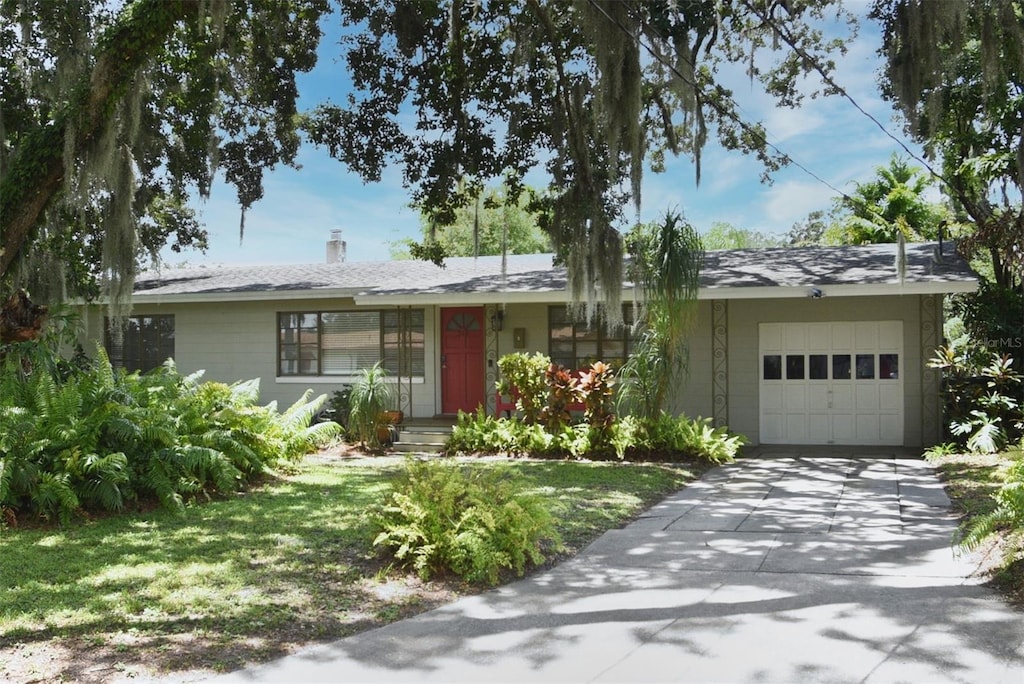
{"type": "Point", "coordinates": [841, 367]}
{"type": "Point", "coordinates": [888, 366]}
{"type": "Point", "coordinates": [794, 367]}
{"type": "Point", "coordinates": [818, 366]}
{"type": "Point", "coordinates": [865, 366]}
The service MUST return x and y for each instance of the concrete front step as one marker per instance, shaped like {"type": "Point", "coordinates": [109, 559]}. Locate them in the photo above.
{"type": "Point", "coordinates": [417, 439]}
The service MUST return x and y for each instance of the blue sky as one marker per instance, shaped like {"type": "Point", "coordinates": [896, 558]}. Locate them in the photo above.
{"type": "Point", "coordinates": [292, 223]}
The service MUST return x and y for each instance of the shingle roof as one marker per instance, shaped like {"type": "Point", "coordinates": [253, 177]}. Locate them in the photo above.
{"type": "Point", "coordinates": [847, 265]}
{"type": "Point", "coordinates": [534, 273]}
{"type": "Point", "coordinates": [529, 272]}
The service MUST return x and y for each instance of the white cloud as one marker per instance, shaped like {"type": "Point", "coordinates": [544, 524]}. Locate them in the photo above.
{"type": "Point", "coordinates": [791, 201]}
{"type": "Point", "coordinates": [784, 124]}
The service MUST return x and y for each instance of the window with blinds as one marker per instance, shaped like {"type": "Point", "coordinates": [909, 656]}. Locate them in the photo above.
{"type": "Point", "coordinates": [349, 340]}
{"type": "Point", "coordinates": [343, 342]}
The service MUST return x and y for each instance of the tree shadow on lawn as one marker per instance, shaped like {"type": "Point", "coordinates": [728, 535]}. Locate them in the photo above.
{"type": "Point", "coordinates": [237, 580]}
{"type": "Point", "coordinates": [233, 581]}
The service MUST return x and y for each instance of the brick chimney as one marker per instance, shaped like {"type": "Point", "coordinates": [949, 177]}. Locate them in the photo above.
{"type": "Point", "coordinates": [335, 248]}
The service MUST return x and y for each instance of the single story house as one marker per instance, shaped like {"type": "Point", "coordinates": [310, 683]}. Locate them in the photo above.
{"type": "Point", "coordinates": [814, 345]}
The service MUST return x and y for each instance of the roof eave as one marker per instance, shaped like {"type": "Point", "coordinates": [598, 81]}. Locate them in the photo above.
{"type": "Point", "coordinates": [838, 290]}
{"type": "Point", "coordinates": [706, 293]}
{"type": "Point", "coordinates": [364, 298]}
{"type": "Point", "coordinates": [242, 296]}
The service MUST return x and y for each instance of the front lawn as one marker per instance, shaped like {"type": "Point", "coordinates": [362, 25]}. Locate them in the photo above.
{"type": "Point", "coordinates": [254, 576]}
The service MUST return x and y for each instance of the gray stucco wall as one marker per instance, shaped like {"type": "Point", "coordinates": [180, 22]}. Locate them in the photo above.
{"type": "Point", "coordinates": [237, 341]}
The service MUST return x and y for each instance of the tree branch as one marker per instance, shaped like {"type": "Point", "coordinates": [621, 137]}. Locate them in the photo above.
{"type": "Point", "coordinates": [36, 173]}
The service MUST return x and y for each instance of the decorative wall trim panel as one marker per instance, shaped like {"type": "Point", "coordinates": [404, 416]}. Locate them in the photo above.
{"type": "Point", "coordinates": [720, 361]}
{"type": "Point", "coordinates": [490, 359]}
{"type": "Point", "coordinates": [931, 378]}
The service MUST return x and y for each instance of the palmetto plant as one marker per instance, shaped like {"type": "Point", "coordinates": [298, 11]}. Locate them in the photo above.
{"type": "Point", "coordinates": [100, 437]}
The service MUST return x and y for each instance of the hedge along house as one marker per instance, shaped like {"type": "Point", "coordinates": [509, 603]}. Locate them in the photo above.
{"type": "Point", "coordinates": [817, 345]}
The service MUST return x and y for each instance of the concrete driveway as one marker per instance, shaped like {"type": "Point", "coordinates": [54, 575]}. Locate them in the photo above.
{"type": "Point", "coordinates": [784, 567]}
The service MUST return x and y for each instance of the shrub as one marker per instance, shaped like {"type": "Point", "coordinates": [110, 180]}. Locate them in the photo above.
{"type": "Point", "coordinates": [982, 397]}
{"type": "Point", "coordinates": [670, 436]}
{"type": "Point", "coordinates": [562, 392]}
{"type": "Point", "coordinates": [100, 437]}
{"type": "Point", "coordinates": [1008, 514]}
{"type": "Point", "coordinates": [370, 397]}
{"type": "Point", "coordinates": [699, 438]}
{"type": "Point", "coordinates": [339, 405]}
{"type": "Point", "coordinates": [480, 432]}
{"type": "Point", "coordinates": [596, 387]}
{"type": "Point", "coordinates": [573, 440]}
{"type": "Point", "coordinates": [525, 372]}
{"type": "Point", "coordinates": [665, 438]}
{"type": "Point", "coordinates": [472, 522]}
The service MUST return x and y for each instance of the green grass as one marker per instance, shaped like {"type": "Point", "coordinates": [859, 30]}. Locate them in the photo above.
{"type": "Point", "coordinates": [971, 480]}
{"type": "Point", "coordinates": [247, 578]}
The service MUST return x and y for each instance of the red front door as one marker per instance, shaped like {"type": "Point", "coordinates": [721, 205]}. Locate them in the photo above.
{"type": "Point", "coordinates": [462, 359]}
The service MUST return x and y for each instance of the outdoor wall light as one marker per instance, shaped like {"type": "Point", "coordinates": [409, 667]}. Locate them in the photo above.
{"type": "Point", "coordinates": [498, 321]}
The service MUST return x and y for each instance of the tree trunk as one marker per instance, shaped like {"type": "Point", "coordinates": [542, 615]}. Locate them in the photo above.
{"type": "Point", "coordinates": [36, 173]}
{"type": "Point", "coordinates": [20, 319]}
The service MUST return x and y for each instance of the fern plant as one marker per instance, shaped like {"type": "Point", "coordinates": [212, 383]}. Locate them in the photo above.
{"type": "Point", "coordinates": [475, 523]}
{"type": "Point", "coordinates": [1008, 514]}
{"type": "Point", "coordinates": [97, 437]}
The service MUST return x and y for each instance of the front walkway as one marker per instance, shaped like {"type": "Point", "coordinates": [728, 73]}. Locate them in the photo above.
{"type": "Point", "coordinates": [779, 568]}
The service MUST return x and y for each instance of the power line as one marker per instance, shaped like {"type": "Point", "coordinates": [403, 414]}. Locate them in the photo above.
{"type": "Point", "coordinates": [754, 132]}
{"type": "Point", "coordinates": [829, 81]}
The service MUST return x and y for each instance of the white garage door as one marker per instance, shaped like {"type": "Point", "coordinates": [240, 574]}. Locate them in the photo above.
{"type": "Point", "coordinates": [831, 383]}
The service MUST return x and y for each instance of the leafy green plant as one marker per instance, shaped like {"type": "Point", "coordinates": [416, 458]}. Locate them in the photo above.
{"type": "Point", "coordinates": [669, 435]}
{"type": "Point", "coordinates": [371, 396]}
{"type": "Point", "coordinates": [982, 396]}
{"type": "Point", "coordinates": [700, 438]}
{"type": "Point", "coordinates": [339, 405]}
{"type": "Point", "coordinates": [641, 377]}
{"type": "Point", "coordinates": [476, 524]}
{"type": "Point", "coordinates": [574, 440]}
{"type": "Point", "coordinates": [667, 258]}
{"type": "Point", "coordinates": [983, 428]}
{"type": "Point", "coordinates": [100, 437]}
{"type": "Point", "coordinates": [480, 432]}
{"type": "Point", "coordinates": [665, 438]}
{"type": "Point", "coordinates": [940, 450]}
{"type": "Point", "coordinates": [525, 374]}
{"type": "Point", "coordinates": [626, 435]}
{"type": "Point", "coordinates": [1007, 515]}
